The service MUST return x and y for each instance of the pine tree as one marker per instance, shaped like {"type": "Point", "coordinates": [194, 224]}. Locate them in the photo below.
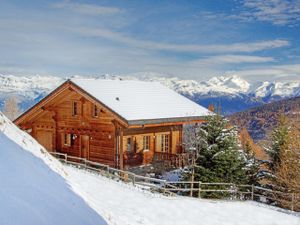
{"type": "Point", "coordinates": [279, 140]}
{"type": "Point", "coordinates": [253, 155]}
{"type": "Point", "coordinates": [220, 158]}
{"type": "Point", "coordinates": [252, 166]}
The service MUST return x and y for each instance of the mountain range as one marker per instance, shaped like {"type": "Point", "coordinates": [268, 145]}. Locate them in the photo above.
{"type": "Point", "coordinates": [261, 120]}
{"type": "Point", "coordinates": [232, 93]}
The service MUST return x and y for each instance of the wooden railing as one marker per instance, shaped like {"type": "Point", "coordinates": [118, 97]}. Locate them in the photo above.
{"type": "Point", "coordinates": [176, 160]}
{"type": "Point", "coordinates": [185, 188]}
{"type": "Point", "coordinates": [151, 184]}
{"type": "Point", "coordinates": [286, 200]}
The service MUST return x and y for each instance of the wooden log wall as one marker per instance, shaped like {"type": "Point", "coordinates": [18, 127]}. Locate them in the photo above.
{"type": "Point", "coordinates": [101, 139]}
{"type": "Point", "coordinates": [58, 118]}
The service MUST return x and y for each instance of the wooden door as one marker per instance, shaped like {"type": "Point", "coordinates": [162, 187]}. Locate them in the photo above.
{"type": "Point", "coordinates": [45, 138]}
{"type": "Point", "coordinates": [84, 146]}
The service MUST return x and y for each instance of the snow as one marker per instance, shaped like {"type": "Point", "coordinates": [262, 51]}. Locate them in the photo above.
{"type": "Point", "coordinates": [138, 100]}
{"type": "Point", "coordinates": [37, 189]}
{"type": "Point", "coordinates": [33, 188]}
{"type": "Point", "coordinates": [29, 89]}
{"type": "Point", "coordinates": [123, 204]}
{"type": "Point", "coordinates": [173, 175]}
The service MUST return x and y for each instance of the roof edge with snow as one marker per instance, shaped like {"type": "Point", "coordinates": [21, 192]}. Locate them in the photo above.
{"type": "Point", "coordinates": [119, 97]}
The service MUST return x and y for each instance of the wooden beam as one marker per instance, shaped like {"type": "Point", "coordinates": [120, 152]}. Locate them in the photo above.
{"type": "Point", "coordinates": [171, 142]}
{"type": "Point", "coordinates": [166, 124]}
{"type": "Point", "coordinates": [121, 150]}
{"type": "Point", "coordinates": [146, 130]}
{"type": "Point", "coordinates": [37, 107]}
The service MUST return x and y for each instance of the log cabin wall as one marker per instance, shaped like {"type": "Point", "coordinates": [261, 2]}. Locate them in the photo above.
{"type": "Point", "coordinates": [101, 138]}
{"type": "Point", "coordinates": [82, 135]}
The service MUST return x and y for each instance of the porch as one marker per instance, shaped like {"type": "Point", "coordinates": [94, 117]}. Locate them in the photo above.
{"type": "Point", "coordinates": [159, 161]}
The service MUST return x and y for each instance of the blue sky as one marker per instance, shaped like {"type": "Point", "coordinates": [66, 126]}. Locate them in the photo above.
{"type": "Point", "coordinates": [189, 39]}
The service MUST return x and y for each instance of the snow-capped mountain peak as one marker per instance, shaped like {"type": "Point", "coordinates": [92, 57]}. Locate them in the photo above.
{"type": "Point", "coordinates": [231, 84]}
{"type": "Point", "coordinates": [233, 92]}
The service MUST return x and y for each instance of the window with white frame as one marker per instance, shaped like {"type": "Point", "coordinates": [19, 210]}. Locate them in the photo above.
{"type": "Point", "coordinates": [165, 142]}
{"type": "Point", "coordinates": [146, 142]}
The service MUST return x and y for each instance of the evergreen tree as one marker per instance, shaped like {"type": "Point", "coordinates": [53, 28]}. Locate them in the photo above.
{"type": "Point", "coordinates": [279, 139]}
{"type": "Point", "coordinates": [219, 155]}
{"type": "Point", "coordinates": [252, 166]}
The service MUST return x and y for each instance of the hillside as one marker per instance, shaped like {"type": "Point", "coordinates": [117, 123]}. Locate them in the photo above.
{"type": "Point", "coordinates": [37, 189]}
{"type": "Point", "coordinates": [33, 188]}
{"type": "Point", "coordinates": [233, 93]}
{"type": "Point", "coordinates": [261, 120]}
{"type": "Point", "coordinates": [124, 204]}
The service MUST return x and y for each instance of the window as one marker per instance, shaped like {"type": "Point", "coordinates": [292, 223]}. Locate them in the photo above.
{"type": "Point", "coordinates": [146, 142]}
{"type": "Point", "coordinates": [129, 141]}
{"type": "Point", "coordinates": [95, 111]}
{"type": "Point", "coordinates": [165, 142]}
{"type": "Point", "coordinates": [67, 139]}
{"type": "Point", "coordinates": [75, 109]}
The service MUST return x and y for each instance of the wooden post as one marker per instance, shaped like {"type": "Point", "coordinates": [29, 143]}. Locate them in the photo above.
{"type": "Point", "coordinates": [180, 139]}
{"type": "Point", "coordinates": [133, 179]}
{"type": "Point", "coordinates": [193, 177]}
{"type": "Point", "coordinates": [199, 190]}
{"type": "Point", "coordinates": [121, 157]}
{"type": "Point", "coordinates": [171, 142]}
{"type": "Point", "coordinates": [84, 162]}
{"type": "Point", "coordinates": [252, 192]}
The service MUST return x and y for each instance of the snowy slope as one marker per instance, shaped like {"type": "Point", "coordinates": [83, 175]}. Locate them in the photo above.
{"type": "Point", "coordinates": [233, 92]}
{"type": "Point", "coordinates": [123, 204]}
{"type": "Point", "coordinates": [37, 190]}
{"type": "Point", "coordinates": [33, 189]}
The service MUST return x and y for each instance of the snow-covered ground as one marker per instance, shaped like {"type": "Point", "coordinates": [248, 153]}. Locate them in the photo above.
{"type": "Point", "coordinates": [123, 204]}
{"type": "Point", "coordinates": [36, 189]}
{"type": "Point", "coordinates": [33, 189]}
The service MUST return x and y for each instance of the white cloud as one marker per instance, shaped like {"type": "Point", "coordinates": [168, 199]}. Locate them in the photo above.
{"type": "Point", "coordinates": [278, 12]}
{"type": "Point", "coordinates": [272, 72]}
{"type": "Point", "coordinates": [89, 9]}
{"type": "Point", "coordinates": [216, 48]}
{"type": "Point", "coordinates": [233, 59]}
{"type": "Point", "coordinates": [41, 50]}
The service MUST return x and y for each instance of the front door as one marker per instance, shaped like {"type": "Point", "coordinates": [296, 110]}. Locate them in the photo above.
{"type": "Point", "coordinates": [84, 146]}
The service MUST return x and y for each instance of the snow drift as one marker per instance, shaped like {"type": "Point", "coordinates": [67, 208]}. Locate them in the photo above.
{"type": "Point", "coordinates": [33, 189]}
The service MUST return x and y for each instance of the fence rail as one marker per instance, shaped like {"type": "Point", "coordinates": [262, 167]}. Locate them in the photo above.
{"type": "Point", "coordinates": [187, 188]}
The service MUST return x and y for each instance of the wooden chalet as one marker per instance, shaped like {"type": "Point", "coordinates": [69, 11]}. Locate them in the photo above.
{"type": "Point", "coordinates": [114, 122]}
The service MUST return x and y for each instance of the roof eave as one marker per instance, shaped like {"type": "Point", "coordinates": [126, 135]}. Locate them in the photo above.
{"type": "Point", "coordinates": [183, 120]}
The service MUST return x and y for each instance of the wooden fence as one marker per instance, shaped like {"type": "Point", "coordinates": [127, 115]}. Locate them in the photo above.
{"type": "Point", "coordinates": [186, 188]}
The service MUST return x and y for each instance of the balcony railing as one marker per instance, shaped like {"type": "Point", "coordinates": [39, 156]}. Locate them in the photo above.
{"type": "Point", "coordinates": [176, 160]}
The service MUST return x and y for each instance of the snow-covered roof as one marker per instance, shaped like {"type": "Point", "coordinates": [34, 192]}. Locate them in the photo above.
{"type": "Point", "coordinates": [141, 102]}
